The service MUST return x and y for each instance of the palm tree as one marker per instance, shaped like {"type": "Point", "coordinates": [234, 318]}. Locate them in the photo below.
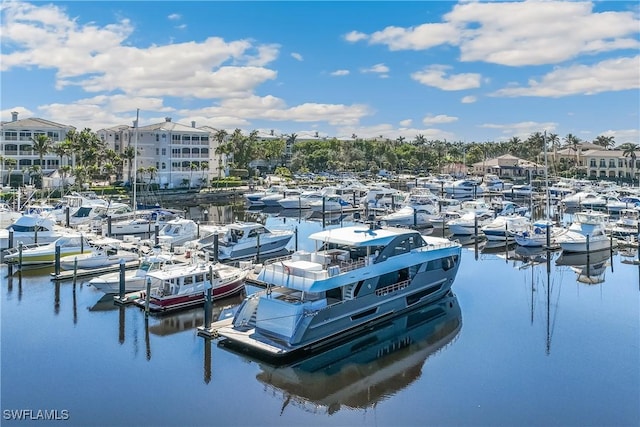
{"type": "Point", "coordinates": [62, 149]}
{"type": "Point", "coordinates": [204, 166]}
{"type": "Point", "coordinates": [629, 150]}
{"type": "Point", "coordinates": [555, 142]}
{"type": "Point", "coordinates": [573, 142]}
{"type": "Point", "coordinates": [192, 167]}
{"type": "Point", "coordinates": [10, 164]}
{"type": "Point", "coordinates": [35, 175]}
{"type": "Point", "coordinates": [129, 154]}
{"type": "Point", "coordinates": [41, 145]}
{"type": "Point", "coordinates": [605, 141]}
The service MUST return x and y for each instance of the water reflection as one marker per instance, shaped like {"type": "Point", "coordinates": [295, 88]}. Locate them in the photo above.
{"type": "Point", "coordinates": [191, 319]}
{"type": "Point", "coordinates": [369, 368]}
{"type": "Point", "coordinates": [590, 267]}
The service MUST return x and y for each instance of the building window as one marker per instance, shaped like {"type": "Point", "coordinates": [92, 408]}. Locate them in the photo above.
{"type": "Point", "coordinates": [11, 136]}
{"type": "Point", "coordinates": [164, 165]}
{"type": "Point", "coordinates": [592, 163]}
{"type": "Point", "coordinates": [54, 136]}
{"type": "Point", "coordinates": [620, 163]}
{"type": "Point", "coordinates": [612, 163]}
{"type": "Point", "coordinates": [25, 136]}
{"type": "Point", "coordinates": [157, 151]}
{"type": "Point", "coordinates": [164, 151]}
{"type": "Point", "coordinates": [602, 163]}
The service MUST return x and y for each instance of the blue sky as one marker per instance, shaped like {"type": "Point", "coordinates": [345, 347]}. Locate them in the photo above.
{"type": "Point", "coordinates": [460, 71]}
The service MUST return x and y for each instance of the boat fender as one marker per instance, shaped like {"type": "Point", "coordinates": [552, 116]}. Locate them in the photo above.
{"type": "Point", "coordinates": [287, 269]}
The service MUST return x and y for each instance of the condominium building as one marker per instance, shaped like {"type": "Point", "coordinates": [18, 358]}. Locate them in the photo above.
{"type": "Point", "coordinates": [182, 155]}
{"type": "Point", "coordinates": [16, 143]}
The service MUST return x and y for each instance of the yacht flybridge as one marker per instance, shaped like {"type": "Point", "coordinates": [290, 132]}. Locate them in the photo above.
{"type": "Point", "coordinates": [358, 276]}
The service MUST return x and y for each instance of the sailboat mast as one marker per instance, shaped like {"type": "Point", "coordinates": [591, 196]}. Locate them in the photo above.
{"type": "Point", "coordinates": [135, 159]}
{"type": "Point", "coordinates": [546, 176]}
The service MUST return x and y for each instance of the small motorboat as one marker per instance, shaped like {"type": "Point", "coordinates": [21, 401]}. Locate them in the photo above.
{"type": "Point", "coordinates": [103, 253]}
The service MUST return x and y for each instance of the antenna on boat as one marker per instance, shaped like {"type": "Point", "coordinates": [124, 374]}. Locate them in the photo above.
{"type": "Point", "coordinates": [135, 159]}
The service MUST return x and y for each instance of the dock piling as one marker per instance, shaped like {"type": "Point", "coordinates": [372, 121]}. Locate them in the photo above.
{"type": "Point", "coordinates": [147, 295]}
{"type": "Point", "coordinates": [121, 280]}
{"type": "Point", "coordinates": [216, 244]}
{"type": "Point", "coordinates": [56, 267]}
{"type": "Point", "coordinates": [75, 271]}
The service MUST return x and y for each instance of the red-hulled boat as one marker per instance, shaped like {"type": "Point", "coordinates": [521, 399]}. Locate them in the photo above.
{"type": "Point", "coordinates": [185, 286]}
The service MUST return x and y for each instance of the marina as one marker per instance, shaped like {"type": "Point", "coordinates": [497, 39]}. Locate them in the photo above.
{"type": "Point", "coordinates": [525, 336]}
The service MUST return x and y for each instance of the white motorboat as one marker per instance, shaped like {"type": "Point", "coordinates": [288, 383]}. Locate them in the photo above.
{"type": "Point", "coordinates": [504, 227]}
{"type": "Point", "coordinates": [186, 285]}
{"type": "Point", "coordinates": [626, 225]}
{"type": "Point", "coordinates": [7, 215]}
{"type": "Point", "coordinates": [71, 203]}
{"type": "Point", "coordinates": [409, 216]}
{"type": "Point", "coordinates": [357, 277]}
{"type": "Point", "coordinates": [140, 222]}
{"type": "Point", "coordinates": [30, 229]}
{"type": "Point", "coordinates": [330, 204]}
{"type": "Point", "coordinates": [103, 253]}
{"type": "Point", "coordinates": [70, 244]}
{"type": "Point", "coordinates": [573, 201]}
{"type": "Point", "coordinates": [470, 223]}
{"type": "Point", "coordinates": [535, 235]}
{"type": "Point", "coordinates": [586, 233]}
{"type": "Point", "coordinates": [177, 232]}
{"type": "Point", "coordinates": [300, 201]}
{"type": "Point", "coordinates": [109, 283]}
{"type": "Point", "coordinates": [242, 240]}
{"type": "Point", "coordinates": [255, 198]}
{"type": "Point", "coordinates": [464, 188]}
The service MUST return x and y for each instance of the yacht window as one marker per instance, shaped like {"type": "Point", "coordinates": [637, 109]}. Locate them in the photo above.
{"type": "Point", "coordinates": [199, 278]}
{"type": "Point", "coordinates": [188, 280]}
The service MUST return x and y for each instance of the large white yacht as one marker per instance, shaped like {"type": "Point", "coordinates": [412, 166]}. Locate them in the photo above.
{"type": "Point", "coordinates": [357, 277]}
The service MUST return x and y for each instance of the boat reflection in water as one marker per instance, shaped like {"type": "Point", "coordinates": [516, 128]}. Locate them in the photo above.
{"type": "Point", "coordinates": [589, 266]}
{"type": "Point", "coordinates": [192, 318]}
{"type": "Point", "coordinates": [364, 370]}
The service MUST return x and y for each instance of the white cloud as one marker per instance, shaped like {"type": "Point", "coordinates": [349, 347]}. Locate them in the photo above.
{"type": "Point", "coordinates": [439, 119]}
{"type": "Point", "coordinates": [181, 27]}
{"type": "Point", "coordinates": [606, 76]}
{"type": "Point", "coordinates": [355, 36]}
{"type": "Point", "coordinates": [340, 73]}
{"type": "Point", "coordinates": [98, 58]}
{"type": "Point", "coordinates": [174, 17]}
{"type": "Point", "coordinates": [468, 99]}
{"type": "Point", "coordinates": [378, 68]}
{"type": "Point", "coordinates": [406, 123]}
{"type": "Point", "coordinates": [415, 38]}
{"type": "Point", "coordinates": [297, 56]}
{"type": "Point", "coordinates": [436, 76]}
{"type": "Point", "coordinates": [517, 33]}
{"type": "Point", "coordinates": [521, 129]}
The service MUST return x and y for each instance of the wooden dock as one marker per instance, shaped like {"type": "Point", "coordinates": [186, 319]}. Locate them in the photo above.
{"type": "Point", "coordinates": [89, 272]}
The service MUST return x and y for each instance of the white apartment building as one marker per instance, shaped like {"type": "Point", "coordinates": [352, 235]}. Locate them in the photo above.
{"type": "Point", "coordinates": [16, 143]}
{"type": "Point", "coordinates": [172, 148]}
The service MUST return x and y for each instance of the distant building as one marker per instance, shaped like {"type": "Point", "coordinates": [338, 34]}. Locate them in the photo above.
{"type": "Point", "coordinates": [181, 154]}
{"type": "Point", "coordinates": [16, 143]}
{"type": "Point", "coordinates": [508, 166]}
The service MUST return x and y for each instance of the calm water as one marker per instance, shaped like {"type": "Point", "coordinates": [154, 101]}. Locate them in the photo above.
{"type": "Point", "coordinates": [522, 342]}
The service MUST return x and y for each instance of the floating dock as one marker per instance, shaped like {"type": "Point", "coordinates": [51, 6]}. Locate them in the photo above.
{"type": "Point", "coordinates": [89, 272]}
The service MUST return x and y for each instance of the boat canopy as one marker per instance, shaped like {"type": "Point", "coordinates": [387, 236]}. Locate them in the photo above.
{"type": "Point", "coordinates": [358, 236]}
